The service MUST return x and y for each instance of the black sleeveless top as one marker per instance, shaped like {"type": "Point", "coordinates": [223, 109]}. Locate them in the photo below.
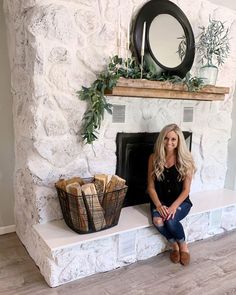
{"type": "Point", "coordinates": [169, 188]}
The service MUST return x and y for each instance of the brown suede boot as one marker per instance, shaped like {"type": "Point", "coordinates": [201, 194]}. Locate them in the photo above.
{"type": "Point", "coordinates": [184, 258]}
{"type": "Point", "coordinates": [175, 256]}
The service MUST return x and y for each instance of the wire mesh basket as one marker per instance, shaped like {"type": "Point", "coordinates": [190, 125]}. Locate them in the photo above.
{"type": "Point", "coordinates": [91, 213]}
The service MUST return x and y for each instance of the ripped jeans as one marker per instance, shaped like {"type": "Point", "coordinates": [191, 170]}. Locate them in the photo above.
{"type": "Point", "coordinates": [172, 229]}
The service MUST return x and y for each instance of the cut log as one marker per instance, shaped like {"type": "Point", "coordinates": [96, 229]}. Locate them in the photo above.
{"type": "Point", "coordinates": [77, 207]}
{"type": "Point", "coordinates": [94, 207]}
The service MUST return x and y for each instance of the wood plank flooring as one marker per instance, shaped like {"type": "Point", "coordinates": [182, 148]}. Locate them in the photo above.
{"type": "Point", "coordinates": [212, 271]}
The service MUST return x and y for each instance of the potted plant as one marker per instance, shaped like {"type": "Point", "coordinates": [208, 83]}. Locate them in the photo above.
{"type": "Point", "coordinates": [213, 47]}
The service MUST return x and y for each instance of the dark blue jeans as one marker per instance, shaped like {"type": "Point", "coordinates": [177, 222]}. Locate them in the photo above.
{"type": "Point", "coordinates": [172, 229]}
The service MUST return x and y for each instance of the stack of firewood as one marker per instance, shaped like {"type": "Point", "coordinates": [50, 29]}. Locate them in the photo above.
{"type": "Point", "coordinates": [95, 202]}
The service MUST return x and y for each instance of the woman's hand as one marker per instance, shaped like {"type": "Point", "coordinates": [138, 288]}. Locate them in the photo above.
{"type": "Point", "coordinates": [163, 210]}
{"type": "Point", "coordinates": [171, 212]}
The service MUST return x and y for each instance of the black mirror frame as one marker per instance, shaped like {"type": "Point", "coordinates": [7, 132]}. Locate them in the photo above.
{"type": "Point", "coordinates": [146, 14]}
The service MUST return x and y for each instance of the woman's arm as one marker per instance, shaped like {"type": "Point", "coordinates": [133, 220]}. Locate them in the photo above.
{"type": "Point", "coordinates": [184, 194]}
{"type": "Point", "coordinates": [152, 191]}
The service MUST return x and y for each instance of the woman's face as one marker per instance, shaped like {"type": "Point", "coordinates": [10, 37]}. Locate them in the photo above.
{"type": "Point", "coordinates": [171, 141]}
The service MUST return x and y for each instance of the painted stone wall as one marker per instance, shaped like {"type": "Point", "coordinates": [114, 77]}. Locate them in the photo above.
{"type": "Point", "coordinates": [55, 47]}
{"type": "Point", "coordinates": [60, 266]}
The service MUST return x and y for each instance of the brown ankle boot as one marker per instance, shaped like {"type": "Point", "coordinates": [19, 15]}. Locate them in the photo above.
{"type": "Point", "coordinates": [175, 256]}
{"type": "Point", "coordinates": [184, 258]}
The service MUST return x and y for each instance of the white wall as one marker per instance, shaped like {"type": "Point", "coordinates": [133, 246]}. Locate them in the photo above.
{"type": "Point", "coordinates": [230, 181]}
{"type": "Point", "coordinates": [6, 133]}
{"type": "Point", "coordinates": [227, 3]}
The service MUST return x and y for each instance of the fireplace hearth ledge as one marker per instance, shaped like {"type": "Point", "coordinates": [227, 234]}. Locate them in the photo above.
{"type": "Point", "coordinates": [66, 256]}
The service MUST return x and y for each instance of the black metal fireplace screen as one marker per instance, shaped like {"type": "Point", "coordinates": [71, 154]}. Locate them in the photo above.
{"type": "Point", "coordinates": [133, 151]}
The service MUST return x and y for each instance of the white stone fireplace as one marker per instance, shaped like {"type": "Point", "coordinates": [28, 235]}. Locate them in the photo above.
{"type": "Point", "coordinates": [55, 47]}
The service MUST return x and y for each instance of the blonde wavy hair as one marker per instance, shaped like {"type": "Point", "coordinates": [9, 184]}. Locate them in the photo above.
{"type": "Point", "coordinates": [184, 160]}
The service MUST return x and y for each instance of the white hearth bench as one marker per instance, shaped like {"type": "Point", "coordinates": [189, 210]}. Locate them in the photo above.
{"type": "Point", "coordinates": [63, 255]}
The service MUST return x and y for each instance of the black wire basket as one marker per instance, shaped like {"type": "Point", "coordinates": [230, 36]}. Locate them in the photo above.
{"type": "Point", "coordinates": [91, 213]}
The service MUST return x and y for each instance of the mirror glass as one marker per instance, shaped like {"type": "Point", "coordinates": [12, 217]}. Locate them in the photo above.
{"type": "Point", "coordinates": [169, 45]}
{"type": "Point", "coordinates": [166, 35]}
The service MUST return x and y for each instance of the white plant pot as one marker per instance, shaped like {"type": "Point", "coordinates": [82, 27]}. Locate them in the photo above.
{"type": "Point", "coordinates": [209, 74]}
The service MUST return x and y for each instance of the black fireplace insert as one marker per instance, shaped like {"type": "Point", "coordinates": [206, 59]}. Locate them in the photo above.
{"type": "Point", "coordinates": [133, 151]}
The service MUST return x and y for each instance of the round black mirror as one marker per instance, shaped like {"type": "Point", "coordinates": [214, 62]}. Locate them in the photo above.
{"type": "Point", "coordinates": [169, 41]}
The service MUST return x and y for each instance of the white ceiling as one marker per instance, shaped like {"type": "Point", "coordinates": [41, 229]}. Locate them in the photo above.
{"type": "Point", "coordinates": [228, 3]}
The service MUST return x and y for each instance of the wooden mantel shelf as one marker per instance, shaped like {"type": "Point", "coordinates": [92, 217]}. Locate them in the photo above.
{"type": "Point", "coordinates": [156, 89]}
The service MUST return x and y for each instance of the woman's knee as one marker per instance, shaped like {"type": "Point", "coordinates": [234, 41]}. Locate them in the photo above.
{"type": "Point", "coordinates": [171, 223]}
{"type": "Point", "coordinates": [158, 221]}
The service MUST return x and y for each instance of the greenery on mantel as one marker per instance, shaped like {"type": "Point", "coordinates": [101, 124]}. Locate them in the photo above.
{"type": "Point", "coordinates": [117, 68]}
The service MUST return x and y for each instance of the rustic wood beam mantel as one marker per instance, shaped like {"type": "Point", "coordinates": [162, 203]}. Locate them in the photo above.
{"type": "Point", "coordinates": [157, 89]}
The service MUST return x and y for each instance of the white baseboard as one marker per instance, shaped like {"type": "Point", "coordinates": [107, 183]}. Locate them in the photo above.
{"type": "Point", "coordinates": [7, 229]}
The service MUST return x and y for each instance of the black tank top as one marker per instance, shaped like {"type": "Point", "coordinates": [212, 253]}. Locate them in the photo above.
{"type": "Point", "coordinates": [170, 187]}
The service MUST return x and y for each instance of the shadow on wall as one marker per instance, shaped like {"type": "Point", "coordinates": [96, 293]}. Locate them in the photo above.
{"type": "Point", "coordinates": [230, 179]}
{"type": "Point", "coordinates": [6, 131]}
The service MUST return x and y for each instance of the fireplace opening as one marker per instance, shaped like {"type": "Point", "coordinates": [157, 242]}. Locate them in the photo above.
{"type": "Point", "coordinates": [133, 151]}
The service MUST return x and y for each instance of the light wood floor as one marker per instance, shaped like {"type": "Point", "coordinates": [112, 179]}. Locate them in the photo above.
{"type": "Point", "coordinates": [212, 271]}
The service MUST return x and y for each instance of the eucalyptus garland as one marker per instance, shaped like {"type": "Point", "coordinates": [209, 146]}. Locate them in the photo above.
{"type": "Point", "coordinates": [96, 99]}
